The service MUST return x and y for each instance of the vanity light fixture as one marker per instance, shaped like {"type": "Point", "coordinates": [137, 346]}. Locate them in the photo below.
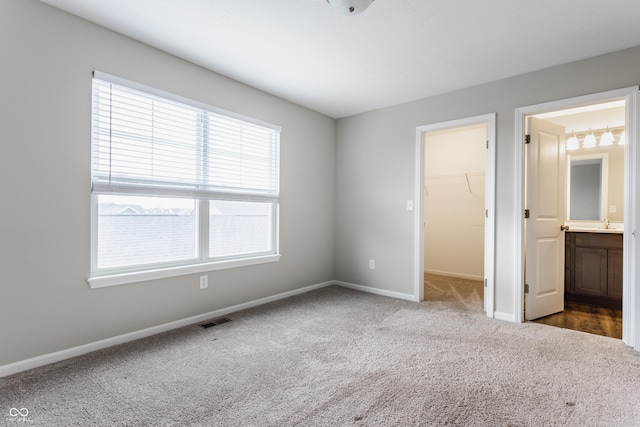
{"type": "Point", "coordinates": [572, 142]}
{"type": "Point", "coordinates": [589, 140]}
{"type": "Point", "coordinates": [593, 138]}
{"type": "Point", "coordinates": [606, 138]}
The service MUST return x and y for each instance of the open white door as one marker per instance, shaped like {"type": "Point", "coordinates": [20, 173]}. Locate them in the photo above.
{"type": "Point", "coordinates": [546, 205]}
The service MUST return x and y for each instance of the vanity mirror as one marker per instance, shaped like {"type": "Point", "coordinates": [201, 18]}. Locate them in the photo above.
{"type": "Point", "coordinates": [587, 187]}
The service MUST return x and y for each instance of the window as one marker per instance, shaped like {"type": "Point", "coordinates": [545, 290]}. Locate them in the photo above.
{"type": "Point", "coordinates": [177, 186]}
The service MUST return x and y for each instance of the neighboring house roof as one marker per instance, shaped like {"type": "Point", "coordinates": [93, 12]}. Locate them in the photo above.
{"type": "Point", "coordinates": [120, 209]}
{"type": "Point", "coordinates": [216, 208]}
{"type": "Point", "coordinates": [129, 210]}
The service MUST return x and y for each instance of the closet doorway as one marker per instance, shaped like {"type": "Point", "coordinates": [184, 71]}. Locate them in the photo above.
{"type": "Point", "coordinates": [455, 204]}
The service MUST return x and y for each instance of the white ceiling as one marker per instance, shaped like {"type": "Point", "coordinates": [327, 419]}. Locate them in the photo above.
{"type": "Point", "coordinates": [395, 51]}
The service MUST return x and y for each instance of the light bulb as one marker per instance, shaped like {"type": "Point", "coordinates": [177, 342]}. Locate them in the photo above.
{"type": "Point", "coordinates": [589, 141]}
{"type": "Point", "coordinates": [606, 138]}
{"type": "Point", "coordinates": [572, 143]}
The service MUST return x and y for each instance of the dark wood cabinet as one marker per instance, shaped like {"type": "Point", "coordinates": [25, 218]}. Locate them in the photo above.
{"type": "Point", "coordinates": [591, 272]}
{"type": "Point", "coordinates": [593, 268]}
{"type": "Point", "coordinates": [615, 273]}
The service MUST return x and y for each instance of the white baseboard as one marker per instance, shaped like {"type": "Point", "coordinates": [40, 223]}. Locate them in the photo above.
{"type": "Point", "coordinates": [504, 316]}
{"type": "Point", "coordinates": [376, 291]}
{"type": "Point", "coordinates": [458, 275]}
{"type": "Point", "coordinates": [45, 359]}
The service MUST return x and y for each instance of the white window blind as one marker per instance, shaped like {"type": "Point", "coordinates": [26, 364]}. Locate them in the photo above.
{"type": "Point", "coordinates": [151, 144]}
{"type": "Point", "coordinates": [177, 184]}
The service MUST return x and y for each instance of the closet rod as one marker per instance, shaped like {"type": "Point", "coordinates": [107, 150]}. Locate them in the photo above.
{"type": "Point", "coordinates": [454, 175]}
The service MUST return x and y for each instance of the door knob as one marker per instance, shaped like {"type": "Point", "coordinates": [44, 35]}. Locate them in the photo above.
{"type": "Point", "coordinates": [564, 227]}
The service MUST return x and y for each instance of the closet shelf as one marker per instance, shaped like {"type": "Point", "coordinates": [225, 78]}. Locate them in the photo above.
{"type": "Point", "coordinates": [454, 177]}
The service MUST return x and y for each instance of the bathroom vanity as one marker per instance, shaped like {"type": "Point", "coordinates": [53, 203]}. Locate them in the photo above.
{"type": "Point", "coordinates": [593, 266]}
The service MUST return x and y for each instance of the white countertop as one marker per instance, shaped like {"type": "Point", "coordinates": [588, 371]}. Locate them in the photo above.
{"type": "Point", "coordinates": [595, 227]}
{"type": "Point", "coordinates": [595, 230]}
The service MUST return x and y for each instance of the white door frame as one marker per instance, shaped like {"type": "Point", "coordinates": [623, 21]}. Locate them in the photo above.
{"type": "Point", "coordinates": [490, 184]}
{"type": "Point", "coordinates": [631, 298]}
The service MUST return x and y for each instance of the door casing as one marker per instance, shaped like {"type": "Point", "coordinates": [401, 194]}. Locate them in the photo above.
{"type": "Point", "coordinates": [490, 184]}
{"type": "Point", "coordinates": [631, 297]}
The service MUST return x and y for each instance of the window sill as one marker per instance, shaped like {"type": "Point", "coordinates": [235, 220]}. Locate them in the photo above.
{"type": "Point", "coordinates": [163, 273]}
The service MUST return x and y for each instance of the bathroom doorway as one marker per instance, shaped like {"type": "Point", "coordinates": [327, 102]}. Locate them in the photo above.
{"type": "Point", "coordinates": [591, 243]}
{"type": "Point", "coordinates": [593, 222]}
{"type": "Point", "coordinates": [454, 203]}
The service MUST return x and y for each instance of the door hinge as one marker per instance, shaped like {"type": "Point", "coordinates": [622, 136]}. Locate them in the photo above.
{"type": "Point", "coordinates": [486, 213]}
{"type": "Point", "coordinates": [527, 139]}
{"type": "Point", "coordinates": [485, 283]}
{"type": "Point", "coordinates": [526, 288]}
{"type": "Point", "coordinates": [527, 213]}
{"type": "Point", "coordinates": [487, 144]}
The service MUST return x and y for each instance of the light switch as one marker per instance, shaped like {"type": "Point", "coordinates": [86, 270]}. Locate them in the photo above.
{"type": "Point", "coordinates": [409, 205]}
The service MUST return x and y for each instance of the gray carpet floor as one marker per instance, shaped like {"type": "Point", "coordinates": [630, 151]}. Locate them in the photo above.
{"type": "Point", "coordinates": [338, 357]}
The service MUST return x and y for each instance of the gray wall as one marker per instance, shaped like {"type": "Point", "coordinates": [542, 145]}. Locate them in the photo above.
{"type": "Point", "coordinates": [46, 304]}
{"type": "Point", "coordinates": [376, 168]}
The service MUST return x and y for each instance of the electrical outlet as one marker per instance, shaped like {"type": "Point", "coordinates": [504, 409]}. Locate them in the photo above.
{"type": "Point", "coordinates": [613, 209]}
{"type": "Point", "coordinates": [372, 264]}
{"type": "Point", "coordinates": [204, 282]}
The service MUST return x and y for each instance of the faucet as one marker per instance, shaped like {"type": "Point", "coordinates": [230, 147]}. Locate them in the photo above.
{"type": "Point", "coordinates": [607, 224]}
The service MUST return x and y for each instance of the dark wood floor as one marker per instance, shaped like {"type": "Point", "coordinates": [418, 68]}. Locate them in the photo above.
{"type": "Point", "coordinates": [576, 316]}
{"type": "Point", "coordinates": [587, 318]}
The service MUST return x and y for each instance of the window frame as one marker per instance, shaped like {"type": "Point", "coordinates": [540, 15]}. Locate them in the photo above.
{"type": "Point", "coordinates": [102, 277]}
